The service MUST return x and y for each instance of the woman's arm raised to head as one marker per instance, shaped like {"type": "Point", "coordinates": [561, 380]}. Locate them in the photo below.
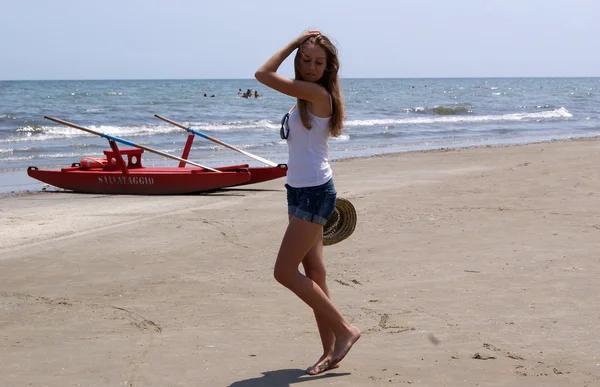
{"type": "Point", "coordinates": [267, 74]}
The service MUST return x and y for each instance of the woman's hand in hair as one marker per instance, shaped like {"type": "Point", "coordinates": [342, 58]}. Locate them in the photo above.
{"type": "Point", "coordinates": [301, 89]}
{"type": "Point", "coordinates": [305, 36]}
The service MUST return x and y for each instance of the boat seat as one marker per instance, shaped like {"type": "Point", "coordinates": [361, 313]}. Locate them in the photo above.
{"type": "Point", "coordinates": [134, 158]}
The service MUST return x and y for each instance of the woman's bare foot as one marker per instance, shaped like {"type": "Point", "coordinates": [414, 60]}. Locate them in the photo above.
{"type": "Point", "coordinates": [343, 345]}
{"type": "Point", "coordinates": [322, 365]}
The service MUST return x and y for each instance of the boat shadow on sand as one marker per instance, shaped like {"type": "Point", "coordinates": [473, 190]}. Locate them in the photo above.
{"type": "Point", "coordinates": [216, 192]}
{"type": "Point", "coordinates": [283, 378]}
{"type": "Point", "coordinates": [234, 191]}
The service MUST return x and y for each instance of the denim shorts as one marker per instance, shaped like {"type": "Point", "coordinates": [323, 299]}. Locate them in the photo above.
{"type": "Point", "coordinates": [314, 204]}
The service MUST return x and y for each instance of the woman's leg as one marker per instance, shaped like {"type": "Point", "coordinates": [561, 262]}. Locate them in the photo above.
{"type": "Point", "coordinates": [298, 240]}
{"type": "Point", "coordinates": [314, 268]}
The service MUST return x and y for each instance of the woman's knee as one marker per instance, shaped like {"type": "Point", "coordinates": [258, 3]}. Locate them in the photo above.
{"type": "Point", "coordinates": [278, 275]}
{"type": "Point", "coordinates": [282, 274]}
{"type": "Point", "coordinates": [318, 275]}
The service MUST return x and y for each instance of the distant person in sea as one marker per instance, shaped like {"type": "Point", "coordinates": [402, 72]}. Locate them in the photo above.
{"type": "Point", "coordinates": [256, 94]}
{"type": "Point", "coordinates": [239, 91]}
{"type": "Point", "coordinates": [311, 195]}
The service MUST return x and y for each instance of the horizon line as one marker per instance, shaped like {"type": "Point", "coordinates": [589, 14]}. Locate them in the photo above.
{"type": "Point", "coordinates": [252, 79]}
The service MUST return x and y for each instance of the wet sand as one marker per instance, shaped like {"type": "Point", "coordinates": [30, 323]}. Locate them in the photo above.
{"type": "Point", "coordinates": [467, 267]}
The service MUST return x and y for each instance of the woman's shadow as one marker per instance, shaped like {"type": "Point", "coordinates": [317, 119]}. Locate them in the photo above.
{"type": "Point", "coordinates": [283, 378]}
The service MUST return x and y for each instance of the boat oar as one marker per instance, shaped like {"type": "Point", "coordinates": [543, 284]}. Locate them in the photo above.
{"type": "Point", "coordinates": [265, 161]}
{"type": "Point", "coordinates": [117, 139]}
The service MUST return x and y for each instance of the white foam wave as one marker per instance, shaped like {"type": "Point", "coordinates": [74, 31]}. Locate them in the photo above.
{"type": "Point", "coordinates": [6, 150]}
{"type": "Point", "coordinates": [547, 106]}
{"type": "Point", "coordinates": [546, 115]}
{"type": "Point", "coordinates": [341, 138]}
{"type": "Point", "coordinates": [41, 133]}
{"type": "Point", "coordinates": [48, 156]}
{"type": "Point", "coordinates": [60, 155]}
{"type": "Point", "coordinates": [235, 125]}
{"type": "Point", "coordinates": [28, 149]}
{"type": "Point", "coordinates": [442, 110]}
{"type": "Point", "coordinates": [19, 158]}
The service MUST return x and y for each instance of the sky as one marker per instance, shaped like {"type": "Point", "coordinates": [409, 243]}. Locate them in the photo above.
{"type": "Point", "coordinates": [230, 39]}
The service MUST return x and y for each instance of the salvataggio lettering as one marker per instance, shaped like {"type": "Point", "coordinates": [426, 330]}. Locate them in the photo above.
{"type": "Point", "coordinates": [135, 180]}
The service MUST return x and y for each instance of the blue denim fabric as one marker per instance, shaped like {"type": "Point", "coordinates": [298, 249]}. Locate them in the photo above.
{"type": "Point", "coordinates": [314, 204]}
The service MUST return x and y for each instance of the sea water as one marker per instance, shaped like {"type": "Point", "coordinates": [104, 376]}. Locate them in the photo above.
{"type": "Point", "coordinates": [383, 116]}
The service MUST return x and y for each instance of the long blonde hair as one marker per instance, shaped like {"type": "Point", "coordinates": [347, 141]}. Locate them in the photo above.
{"type": "Point", "coordinates": [329, 80]}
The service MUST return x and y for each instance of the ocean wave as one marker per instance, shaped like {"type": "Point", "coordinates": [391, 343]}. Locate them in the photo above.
{"type": "Point", "coordinates": [451, 110]}
{"type": "Point", "coordinates": [28, 149]}
{"type": "Point", "coordinates": [442, 110]}
{"type": "Point", "coordinates": [395, 134]}
{"type": "Point", "coordinates": [83, 146]}
{"type": "Point", "coordinates": [6, 117]}
{"type": "Point", "coordinates": [445, 114]}
{"type": "Point", "coordinates": [41, 133]}
{"type": "Point", "coordinates": [45, 156]}
{"type": "Point", "coordinates": [60, 155]}
{"type": "Point", "coordinates": [560, 113]}
{"type": "Point", "coordinates": [234, 125]}
{"type": "Point", "coordinates": [13, 159]}
{"type": "Point", "coordinates": [548, 106]}
{"type": "Point", "coordinates": [341, 138]}
{"type": "Point", "coordinates": [30, 129]}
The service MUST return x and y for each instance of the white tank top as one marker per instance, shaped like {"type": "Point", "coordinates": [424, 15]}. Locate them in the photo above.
{"type": "Point", "coordinates": [308, 163]}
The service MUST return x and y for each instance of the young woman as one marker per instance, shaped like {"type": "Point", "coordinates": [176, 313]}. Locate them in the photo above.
{"type": "Point", "coordinates": [311, 194]}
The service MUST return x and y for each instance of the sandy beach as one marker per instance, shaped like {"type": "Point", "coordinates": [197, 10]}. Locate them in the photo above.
{"type": "Point", "coordinates": [468, 267]}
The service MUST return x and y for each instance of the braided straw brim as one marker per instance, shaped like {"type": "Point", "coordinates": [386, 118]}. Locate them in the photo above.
{"type": "Point", "coordinates": [341, 224]}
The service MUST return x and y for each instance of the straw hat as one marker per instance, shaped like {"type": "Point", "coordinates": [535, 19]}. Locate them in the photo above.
{"type": "Point", "coordinates": [341, 224]}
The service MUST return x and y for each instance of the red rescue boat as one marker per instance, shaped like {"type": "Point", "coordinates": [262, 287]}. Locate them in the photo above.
{"type": "Point", "coordinates": [122, 172]}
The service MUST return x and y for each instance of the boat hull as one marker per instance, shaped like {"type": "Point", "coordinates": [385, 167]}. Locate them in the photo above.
{"type": "Point", "coordinates": [259, 174]}
{"type": "Point", "coordinates": [154, 181]}
{"type": "Point", "coordinates": [143, 181]}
